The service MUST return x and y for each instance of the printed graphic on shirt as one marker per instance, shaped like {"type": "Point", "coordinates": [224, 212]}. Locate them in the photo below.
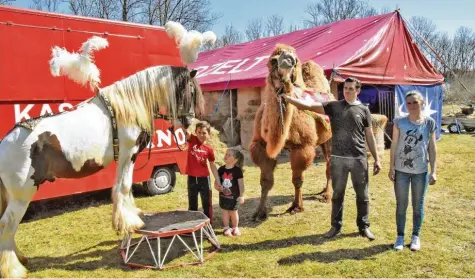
{"type": "Point", "coordinates": [227, 184]}
{"type": "Point", "coordinates": [199, 154]}
{"type": "Point", "coordinates": [410, 152]}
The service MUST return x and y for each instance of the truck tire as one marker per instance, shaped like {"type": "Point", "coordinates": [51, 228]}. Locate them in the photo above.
{"type": "Point", "coordinates": [471, 129]}
{"type": "Point", "coordinates": [455, 127]}
{"type": "Point", "coordinates": [162, 181]}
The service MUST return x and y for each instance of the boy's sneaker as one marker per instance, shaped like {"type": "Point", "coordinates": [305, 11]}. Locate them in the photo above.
{"type": "Point", "coordinates": [236, 232]}
{"type": "Point", "coordinates": [228, 232]}
{"type": "Point", "coordinates": [399, 244]}
{"type": "Point", "coordinates": [415, 243]}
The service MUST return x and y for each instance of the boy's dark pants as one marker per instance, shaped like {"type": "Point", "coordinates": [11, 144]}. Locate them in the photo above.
{"type": "Point", "coordinates": [202, 186]}
{"type": "Point", "coordinates": [341, 167]}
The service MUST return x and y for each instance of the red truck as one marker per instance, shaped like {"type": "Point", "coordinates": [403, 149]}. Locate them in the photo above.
{"type": "Point", "coordinates": [27, 88]}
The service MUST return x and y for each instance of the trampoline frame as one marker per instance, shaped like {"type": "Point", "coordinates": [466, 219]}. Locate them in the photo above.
{"type": "Point", "coordinates": [204, 228]}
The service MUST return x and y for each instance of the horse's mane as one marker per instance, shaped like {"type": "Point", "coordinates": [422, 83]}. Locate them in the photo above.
{"type": "Point", "coordinates": [135, 98]}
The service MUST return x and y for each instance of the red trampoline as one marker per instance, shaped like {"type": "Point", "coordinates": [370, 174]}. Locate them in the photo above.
{"type": "Point", "coordinates": [162, 232]}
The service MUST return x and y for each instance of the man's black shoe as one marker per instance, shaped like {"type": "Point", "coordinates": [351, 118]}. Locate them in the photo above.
{"type": "Point", "coordinates": [367, 233]}
{"type": "Point", "coordinates": [332, 233]}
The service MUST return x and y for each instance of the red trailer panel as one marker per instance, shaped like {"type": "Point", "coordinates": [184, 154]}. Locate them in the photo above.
{"type": "Point", "coordinates": [27, 89]}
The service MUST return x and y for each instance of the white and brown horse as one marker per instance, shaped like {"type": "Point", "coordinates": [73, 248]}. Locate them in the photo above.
{"type": "Point", "coordinates": [80, 142]}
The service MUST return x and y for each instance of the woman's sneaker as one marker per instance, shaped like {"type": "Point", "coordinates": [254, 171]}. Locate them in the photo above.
{"type": "Point", "coordinates": [236, 232]}
{"type": "Point", "coordinates": [228, 232]}
{"type": "Point", "coordinates": [399, 244]}
{"type": "Point", "coordinates": [415, 243]}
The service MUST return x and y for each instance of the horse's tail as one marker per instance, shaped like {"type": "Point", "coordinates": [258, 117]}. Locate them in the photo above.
{"type": "Point", "coordinates": [3, 198]}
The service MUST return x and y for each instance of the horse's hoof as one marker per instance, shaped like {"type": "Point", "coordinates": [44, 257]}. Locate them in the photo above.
{"type": "Point", "coordinates": [260, 215]}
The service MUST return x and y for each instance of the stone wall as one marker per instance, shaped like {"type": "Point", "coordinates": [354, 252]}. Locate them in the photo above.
{"type": "Point", "coordinates": [221, 118]}
{"type": "Point", "coordinates": [248, 101]}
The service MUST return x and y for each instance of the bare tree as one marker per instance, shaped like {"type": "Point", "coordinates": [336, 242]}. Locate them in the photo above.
{"type": "Point", "coordinates": [274, 25]}
{"type": "Point", "coordinates": [46, 5]}
{"type": "Point", "coordinates": [254, 29]}
{"type": "Point", "coordinates": [294, 27]}
{"type": "Point", "coordinates": [425, 27]}
{"type": "Point", "coordinates": [231, 36]}
{"type": "Point", "coordinates": [6, 2]}
{"type": "Point", "coordinates": [464, 47]}
{"type": "Point", "coordinates": [328, 11]}
{"type": "Point", "coordinates": [192, 14]}
{"type": "Point", "coordinates": [367, 10]}
{"type": "Point", "coordinates": [130, 9]}
{"type": "Point", "coordinates": [443, 45]}
{"type": "Point", "coordinates": [385, 10]}
{"type": "Point", "coordinates": [108, 9]}
{"type": "Point", "coordinates": [81, 7]}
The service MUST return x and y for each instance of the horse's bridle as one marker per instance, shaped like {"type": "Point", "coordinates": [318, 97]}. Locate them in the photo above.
{"type": "Point", "coordinates": [181, 116]}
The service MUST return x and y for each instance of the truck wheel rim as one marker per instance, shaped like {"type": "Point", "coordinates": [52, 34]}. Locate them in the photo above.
{"type": "Point", "coordinates": [162, 180]}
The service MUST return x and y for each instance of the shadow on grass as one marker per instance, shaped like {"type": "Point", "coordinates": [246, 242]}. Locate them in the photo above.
{"type": "Point", "coordinates": [95, 257]}
{"type": "Point", "coordinates": [247, 210]}
{"type": "Point", "coordinates": [103, 256]}
{"type": "Point", "coordinates": [315, 240]}
{"type": "Point", "coordinates": [336, 255]}
{"type": "Point", "coordinates": [56, 207]}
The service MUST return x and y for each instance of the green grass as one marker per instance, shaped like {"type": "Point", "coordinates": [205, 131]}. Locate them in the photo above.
{"type": "Point", "coordinates": [75, 239]}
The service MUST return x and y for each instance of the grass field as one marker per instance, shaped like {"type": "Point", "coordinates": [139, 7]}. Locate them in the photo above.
{"type": "Point", "coordinates": [73, 237]}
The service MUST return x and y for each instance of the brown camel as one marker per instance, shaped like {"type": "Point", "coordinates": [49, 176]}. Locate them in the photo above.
{"type": "Point", "coordinates": [300, 131]}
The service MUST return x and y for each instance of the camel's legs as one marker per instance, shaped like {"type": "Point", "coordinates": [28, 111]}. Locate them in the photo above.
{"type": "Point", "coordinates": [326, 192]}
{"type": "Point", "coordinates": [300, 159]}
{"type": "Point", "coordinates": [267, 166]}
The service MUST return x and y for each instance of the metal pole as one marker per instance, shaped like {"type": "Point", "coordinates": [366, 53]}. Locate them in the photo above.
{"type": "Point", "coordinates": [231, 106]}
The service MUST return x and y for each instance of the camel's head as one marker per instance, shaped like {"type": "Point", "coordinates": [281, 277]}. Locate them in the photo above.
{"type": "Point", "coordinates": [284, 65]}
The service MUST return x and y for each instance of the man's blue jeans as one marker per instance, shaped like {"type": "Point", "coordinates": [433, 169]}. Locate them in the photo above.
{"type": "Point", "coordinates": [418, 184]}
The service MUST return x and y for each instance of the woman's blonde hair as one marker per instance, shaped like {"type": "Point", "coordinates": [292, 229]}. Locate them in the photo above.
{"type": "Point", "coordinates": [416, 94]}
{"type": "Point", "coordinates": [238, 156]}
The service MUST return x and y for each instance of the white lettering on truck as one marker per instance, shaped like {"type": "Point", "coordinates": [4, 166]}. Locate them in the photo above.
{"type": "Point", "coordinates": [163, 138]}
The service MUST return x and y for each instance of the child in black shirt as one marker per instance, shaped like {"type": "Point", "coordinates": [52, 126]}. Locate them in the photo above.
{"type": "Point", "coordinates": [231, 193]}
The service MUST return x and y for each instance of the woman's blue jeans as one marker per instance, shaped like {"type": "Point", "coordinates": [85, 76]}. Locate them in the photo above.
{"type": "Point", "coordinates": [418, 184]}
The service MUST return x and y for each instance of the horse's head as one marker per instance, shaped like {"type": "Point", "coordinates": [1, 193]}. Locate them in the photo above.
{"type": "Point", "coordinates": [284, 65]}
{"type": "Point", "coordinates": [190, 103]}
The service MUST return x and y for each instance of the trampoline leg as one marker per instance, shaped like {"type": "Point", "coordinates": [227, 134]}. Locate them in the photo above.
{"type": "Point", "coordinates": [159, 253]}
{"type": "Point", "coordinates": [198, 248]}
{"type": "Point", "coordinates": [168, 249]}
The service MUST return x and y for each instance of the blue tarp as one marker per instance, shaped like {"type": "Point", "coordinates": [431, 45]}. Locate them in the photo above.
{"type": "Point", "coordinates": [433, 98]}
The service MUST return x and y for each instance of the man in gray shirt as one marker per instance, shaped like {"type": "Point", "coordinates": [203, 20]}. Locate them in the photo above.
{"type": "Point", "coordinates": [351, 128]}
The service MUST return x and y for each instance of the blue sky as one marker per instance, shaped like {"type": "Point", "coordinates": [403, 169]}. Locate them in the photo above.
{"type": "Point", "coordinates": [448, 15]}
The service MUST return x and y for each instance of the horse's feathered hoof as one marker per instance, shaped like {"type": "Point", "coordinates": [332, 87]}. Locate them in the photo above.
{"type": "Point", "coordinates": [294, 209]}
{"type": "Point", "coordinates": [10, 266]}
{"type": "Point", "coordinates": [260, 215]}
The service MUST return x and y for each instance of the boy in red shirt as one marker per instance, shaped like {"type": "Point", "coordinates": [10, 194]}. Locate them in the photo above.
{"type": "Point", "coordinates": [199, 153]}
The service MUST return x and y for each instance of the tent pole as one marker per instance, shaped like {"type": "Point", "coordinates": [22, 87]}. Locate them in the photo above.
{"type": "Point", "coordinates": [231, 106]}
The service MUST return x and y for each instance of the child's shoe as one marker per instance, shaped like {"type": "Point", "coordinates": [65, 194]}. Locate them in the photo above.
{"type": "Point", "coordinates": [236, 232]}
{"type": "Point", "coordinates": [228, 231]}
